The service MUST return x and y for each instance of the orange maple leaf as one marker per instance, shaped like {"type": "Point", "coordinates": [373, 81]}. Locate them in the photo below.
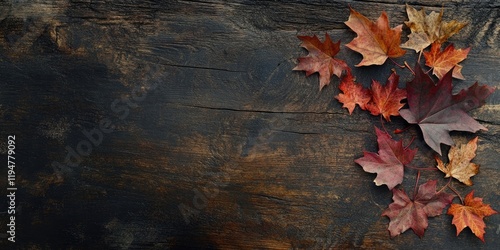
{"type": "Point", "coordinates": [321, 59]}
{"type": "Point", "coordinates": [354, 93]}
{"type": "Point", "coordinates": [443, 61]}
{"type": "Point", "coordinates": [460, 166]}
{"type": "Point", "coordinates": [426, 29]}
{"type": "Point", "coordinates": [375, 41]}
{"type": "Point", "coordinates": [471, 215]}
{"type": "Point", "coordinates": [386, 100]}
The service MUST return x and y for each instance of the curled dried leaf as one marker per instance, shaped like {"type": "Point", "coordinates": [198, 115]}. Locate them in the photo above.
{"type": "Point", "coordinates": [426, 29]}
{"type": "Point", "coordinates": [460, 166]}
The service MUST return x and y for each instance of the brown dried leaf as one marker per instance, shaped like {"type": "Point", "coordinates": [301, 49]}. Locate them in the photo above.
{"type": "Point", "coordinates": [459, 165]}
{"type": "Point", "coordinates": [426, 29]}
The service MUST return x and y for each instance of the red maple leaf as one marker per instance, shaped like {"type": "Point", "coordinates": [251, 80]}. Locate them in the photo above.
{"type": "Point", "coordinates": [471, 215]}
{"type": "Point", "coordinates": [321, 59]}
{"type": "Point", "coordinates": [386, 100]}
{"type": "Point", "coordinates": [354, 93]}
{"type": "Point", "coordinates": [443, 61]}
{"type": "Point", "coordinates": [437, 111]}
{"type": "Point", "coordinates": [405, 213]}
{"type": "Point", "coordinates": [389, 162]}
{"type": "Point", "coordinates": [375, 41]}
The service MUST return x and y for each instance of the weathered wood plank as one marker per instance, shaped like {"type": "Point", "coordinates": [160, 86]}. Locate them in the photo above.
{"type": "Point", "coordinates": [215, 141]}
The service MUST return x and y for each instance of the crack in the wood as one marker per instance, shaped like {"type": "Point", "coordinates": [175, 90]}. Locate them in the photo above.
{"type": "Point", "coordinates": [346, 128]}
{"type": "Point", "coordinates": [204, 68]}
{"type": "Point", "coordinates": [262, 111]}
{"type": "Point", "coordinates": [281, 200]}
{"type": "Point", "coordinates": [297, 132]}
{"type": "Point", "coordinates": [273, 198]}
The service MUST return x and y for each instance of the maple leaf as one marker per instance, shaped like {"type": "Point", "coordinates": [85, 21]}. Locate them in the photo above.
{"type": "Point", "coordinates": [389, 162]}
{"type": "Point", "coordinates": [459, 166]}
{"type": "Point", "coordinates": [354, 93]}
{"type": "Point", "coordinates": [321, 59]}
{"type": "Point", "coordinates": [426, 29]}
{"type": "Point", "coordinates": [375, 41]}
{"type": "Point", "coordinates": [437, 111]}
{"type": "Point", "coordinates": [471, 215]}
{"type": "Point", "coordinates": [405, 213]}
{"type": "Point", "coordinates": [386, 100]}
{"type": "Point", "coordinates": [443, 61]}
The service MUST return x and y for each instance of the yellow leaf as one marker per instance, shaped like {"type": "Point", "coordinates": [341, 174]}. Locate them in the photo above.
{"type": "Point", "coordinates": [459, 165]}
{"type": "Point", "coordinates": [426, 29]}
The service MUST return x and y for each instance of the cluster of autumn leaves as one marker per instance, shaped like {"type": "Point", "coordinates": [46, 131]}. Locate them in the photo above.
{"type": "Point", "coordinates": [431, 106]}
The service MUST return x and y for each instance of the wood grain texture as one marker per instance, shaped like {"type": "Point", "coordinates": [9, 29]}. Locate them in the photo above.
{"type": "Point", "coordinates": [216, 142]}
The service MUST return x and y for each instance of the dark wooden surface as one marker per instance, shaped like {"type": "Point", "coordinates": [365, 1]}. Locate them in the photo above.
{"type": "Point", "coordinates": [223, 115]}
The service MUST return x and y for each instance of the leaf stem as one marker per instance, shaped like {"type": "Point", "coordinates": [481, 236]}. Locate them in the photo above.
{"type": "Point", "coordinates": [419, 56]}
{"type": "Point", "coordinates": [382, 123]}
{"type": "Point", "coordinates": [412, 140]}
{"type": "Point", "coordinates": [399, 131]}
{"type": "Point", "coordinates": [456, 192]}
{"type": "Point", "coordinates": [416, 185]}
{"type": "Point", "coordinates": [397, 64]}
{"type": "Point", "coordinates": [427, 72]}
{"type": "Point", "coordinates": [448, 183]}
{"type": "Point", "coordinates": [408, 66]}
